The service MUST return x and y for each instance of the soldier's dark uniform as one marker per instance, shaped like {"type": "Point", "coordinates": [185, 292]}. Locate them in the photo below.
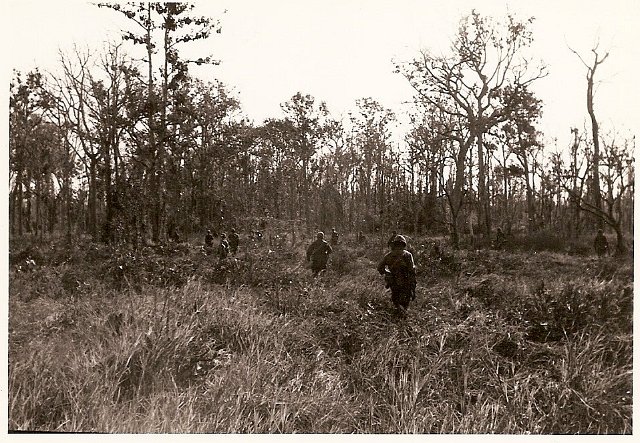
{"type": "Point", "coordinates": [173, 234]}
{"type": "Point", "coordinates": [223, 248]}
{"type": "Point", "coordinates": [334, 237]}
{"type": "Point", "coordinates": [500, 239]}
{"type": "Point", "coordinates": [208, 242]}
{"type": "Point", "coordinates": [400, 273]}
{"type": "Point", "coordinates": [234, 240]}
{"type": "Point", "coordinates": [318, 254]}
{"type": "Point", "coordinates": [600, 243]}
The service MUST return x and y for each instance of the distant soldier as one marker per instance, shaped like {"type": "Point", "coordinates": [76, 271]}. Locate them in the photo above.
{"type": "Point", "coordinates": [223, 248]}
{"type": "Point", "coordinates": [334, 236]}
{"type": "Point", "coordinates": [436, 252]}
{"type": "Point", "coordinates": [361, 238]}
{"type": "Point", "coordinates": [394, 234]}
{"type": "Point", "coordinates": [208, 242]}
{"type": "Point", "coordinates": [318, 254]}
{"type": "Point", "coordinates": [600, 244]}
{"type": "Point", "coordinates": [234, 240]}
{"type": "Point", "coordinates": [173, 234]}
{"type": "Point", "coordinates": [500, 239]}
{"type": "Point", "coordinates": [399, 271]}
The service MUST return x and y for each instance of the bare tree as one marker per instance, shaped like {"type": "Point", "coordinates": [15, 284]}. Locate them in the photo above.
{"type": "Point", "coordinates": [591, 71]}
{"type": "Point", "coordinates": [487, 60]}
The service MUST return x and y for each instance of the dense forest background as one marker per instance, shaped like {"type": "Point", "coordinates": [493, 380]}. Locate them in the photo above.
{"type": "Point", "coordinates": [127, 150]}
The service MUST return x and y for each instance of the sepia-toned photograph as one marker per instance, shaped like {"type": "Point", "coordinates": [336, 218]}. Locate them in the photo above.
{"type": "Point", "coordinates": [320, 216]}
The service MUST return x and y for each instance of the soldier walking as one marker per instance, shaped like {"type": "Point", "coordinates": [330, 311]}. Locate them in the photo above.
{"type": "Point", "coordinates": [334, 236]}
{"type": "Point", "coordinates": [600, 243]}
{"type": "Point", "coordinates": [399, 272]}
{"type": "Point", "coordinates": [208, 242]}
{"type": "Point", "coordinates": [318, 254]}
{"type": "Point", "coordinates": [223, 248]}
{"type": "Point", "coordinates": [500, 239]}
{"type": "Point", "coordinates": [234, 240]}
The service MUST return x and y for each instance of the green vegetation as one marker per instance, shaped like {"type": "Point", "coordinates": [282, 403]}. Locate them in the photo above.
{"type": "Point", "coordinates": [169, 340]}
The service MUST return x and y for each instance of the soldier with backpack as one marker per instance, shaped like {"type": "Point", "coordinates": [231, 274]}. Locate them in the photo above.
{"type": "Point", "coordinates": [318, 254]}
{"type": "Point", "coordinates": [500, 239]}
{"type": "Point", "coordinates": [334, 237]}
{"type": "Point", "coordinates": [234, 240]}
{"type": "Point", "coordinates": [600, 244]}
{"type": "Point", "coordinates": [223, 247]}
{"type": "Point", "coordinates": [208, 242]}
{"type": "Point", "coordinates": [399, 272]}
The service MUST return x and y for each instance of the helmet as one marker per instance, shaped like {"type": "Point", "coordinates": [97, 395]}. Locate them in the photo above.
{"type": "Point", "coordinates": [320, 235]}
{"type": "Point", "coordinates": [399, 240]}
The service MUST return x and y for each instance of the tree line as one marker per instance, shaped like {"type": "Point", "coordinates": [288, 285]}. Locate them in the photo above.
{"type": "Point", "coordinates": [126, 150]}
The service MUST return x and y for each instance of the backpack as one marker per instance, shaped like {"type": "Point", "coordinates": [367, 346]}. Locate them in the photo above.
{"type": "Point", "coordinates": [401, 277]}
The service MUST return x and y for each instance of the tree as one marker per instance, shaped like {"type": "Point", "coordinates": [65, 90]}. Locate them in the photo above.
{"type": "Point", "coordinates": [305, 119]}
{"type": "Point", "coordinates": [524, 140]}
{"type": "Point", "coordinates": [618, 179]}
{"type": "Point", "coordinates": [371, 123]}
{"type": "Point", "coordinates": [205, 142]}
{"type": "Point", "coordinates": [29, 103]}
{"type": "Point", "coordinates": [472, 83]}
{"type": "Point", "coordinates": [94, 99]}
{"type": "Point", "coordinates": [426, 146]}
{"type": "Point", "coordinates": [178, 26]}
{"type": "Point", "coordinates": [591, 71]}
{"type": "Point", "coordinates": [108, 110]}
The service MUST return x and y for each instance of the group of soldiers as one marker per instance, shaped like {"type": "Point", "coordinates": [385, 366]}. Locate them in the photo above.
{"type": "Point", "coordinates": [397, 266]}
{"type": "Point", "coordinates": [225, 247]}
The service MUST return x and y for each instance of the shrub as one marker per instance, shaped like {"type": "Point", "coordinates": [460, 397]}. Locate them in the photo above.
{"type": "Point", "coordinates": [539, 241]}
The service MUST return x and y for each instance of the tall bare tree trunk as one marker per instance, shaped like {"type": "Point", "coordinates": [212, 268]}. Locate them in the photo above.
{"type": "Point", "coordinates": [596, 141]}
{"type": "Point", "coordinates": [591, 70]}
{"type": "Point", "coordinates": [18, 204]}
{"type": "Point", "coordinates": [93, 199]}
{"type": "Point", "coordinates": [484, 214]}
{"type": "Point", "coordinates": [456, 200]}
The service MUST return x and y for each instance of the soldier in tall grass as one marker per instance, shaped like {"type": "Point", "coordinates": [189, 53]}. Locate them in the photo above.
{"type": "Point", "coordinates": [334, 236]}
{"type": "Point", "coordinates": [500, 239]}
{"type": "Point", "coordinates": [318, 254]}
{"type": "Point", "coordinates": [234, 240]}
{"type": "Point", "coordinates": [399, 271]}
{"type": "Point", "coordinates": [223, 247]}
{"type": "Point", "coordinates": [600, 244]}
{"type": "Point", "coordinates": [208, 242]}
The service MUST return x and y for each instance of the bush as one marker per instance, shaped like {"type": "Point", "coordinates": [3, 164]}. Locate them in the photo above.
{"type": "Point", "coordinates": [539, 241]}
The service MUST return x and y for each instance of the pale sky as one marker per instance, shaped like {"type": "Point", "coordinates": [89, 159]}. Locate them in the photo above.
{"type": "Point", "coordinates": [342, 50]}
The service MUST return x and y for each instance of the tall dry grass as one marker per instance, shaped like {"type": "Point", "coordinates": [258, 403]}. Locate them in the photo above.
{"type": "Point", "coordinates": [496, 342]}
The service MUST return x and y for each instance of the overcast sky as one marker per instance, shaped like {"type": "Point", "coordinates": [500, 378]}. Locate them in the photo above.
{"type": "Point", "coordinates": [342, 50]}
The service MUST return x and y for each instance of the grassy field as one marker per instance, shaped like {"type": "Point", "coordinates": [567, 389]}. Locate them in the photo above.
{"type": "Point", "coordinates": [170, 340]}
